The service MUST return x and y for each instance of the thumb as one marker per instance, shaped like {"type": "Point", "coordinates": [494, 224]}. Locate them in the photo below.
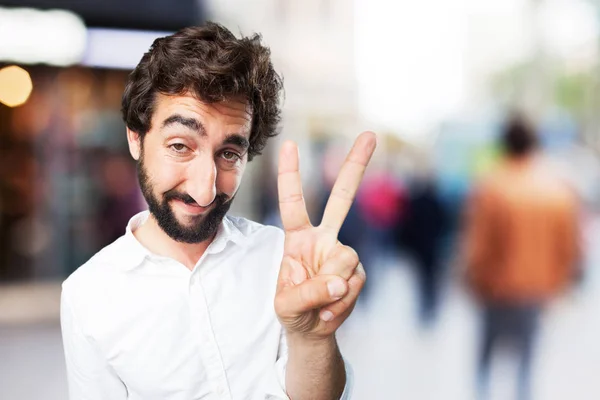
{"type": "Point", "coordinates": [313, 293]}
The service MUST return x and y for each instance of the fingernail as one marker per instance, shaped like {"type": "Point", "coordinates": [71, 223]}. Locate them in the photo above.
{"type": "Point", "coordinates": [326, 316]}
{"type": "Point", "coordinates": [336, 288]}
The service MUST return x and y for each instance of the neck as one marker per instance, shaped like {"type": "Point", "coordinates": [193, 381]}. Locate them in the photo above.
{"type": "Point", "coordinates": [152, 237]}
{"type": "Point", "coordinates": [521, 159]}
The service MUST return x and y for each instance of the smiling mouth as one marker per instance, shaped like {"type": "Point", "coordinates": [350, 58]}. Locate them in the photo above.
{"type": "Point", "coordinates": [191, 207]}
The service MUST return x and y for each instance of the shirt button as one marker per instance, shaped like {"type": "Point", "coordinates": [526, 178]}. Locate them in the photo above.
{"type": "Point", "coordinates": [220, 389]}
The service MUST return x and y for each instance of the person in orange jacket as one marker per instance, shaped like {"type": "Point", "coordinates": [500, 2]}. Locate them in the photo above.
{"type": "Point", "coordinates": [521, 247]}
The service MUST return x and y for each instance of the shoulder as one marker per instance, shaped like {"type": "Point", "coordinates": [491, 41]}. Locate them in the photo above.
{"type": "Point", "coordinates": [257, 240]}
{"type": "Point", "coordinates": [97, 272]}
{"type": "Point", "coordinates": [254, 230]}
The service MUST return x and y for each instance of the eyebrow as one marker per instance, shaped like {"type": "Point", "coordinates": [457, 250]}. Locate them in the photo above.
{"type": "Point", "coordinates": [190, 123]}
{"type": "Point", "coordinates": [237, 140]}
{"type": "Point", "coordinates": [234, 139]}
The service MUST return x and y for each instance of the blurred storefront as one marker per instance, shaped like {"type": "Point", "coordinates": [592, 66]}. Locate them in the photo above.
{"type": "Point", "coordinates": [67, 183]}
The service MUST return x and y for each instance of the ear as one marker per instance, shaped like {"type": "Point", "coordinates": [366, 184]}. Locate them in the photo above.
{"type": "Point", "coordinates": [135, 144]}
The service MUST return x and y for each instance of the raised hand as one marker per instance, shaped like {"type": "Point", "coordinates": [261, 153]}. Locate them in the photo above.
{"type": "Point", "coordinates": [320, 278]}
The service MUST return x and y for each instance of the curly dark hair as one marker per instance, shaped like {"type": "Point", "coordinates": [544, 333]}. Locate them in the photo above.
{"type": "Point", "coordinates": [214, 65]}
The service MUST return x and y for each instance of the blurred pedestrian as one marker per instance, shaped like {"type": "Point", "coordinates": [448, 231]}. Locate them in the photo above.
{"type": "Point", "coordinates": [421, 234]}
{"type": "Point", "coordinates": [521, 248]}
{"type": "Point", "coordinates": [379, 207]}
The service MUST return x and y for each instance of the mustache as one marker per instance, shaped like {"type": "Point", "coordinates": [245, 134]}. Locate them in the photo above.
{"type": "Point", "coordinates": [219, 200]}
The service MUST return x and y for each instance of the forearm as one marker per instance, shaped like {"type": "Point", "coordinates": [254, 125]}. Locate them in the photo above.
{"type": "Point", "coordinates": [315, 369]}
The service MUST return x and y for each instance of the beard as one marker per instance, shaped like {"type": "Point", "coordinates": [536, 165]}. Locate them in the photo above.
{"type": "Point", "coordinates": [200, 227]}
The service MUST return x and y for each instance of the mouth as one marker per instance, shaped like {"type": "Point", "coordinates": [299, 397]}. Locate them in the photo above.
{"type": "Point", "coordinates": [190, 208]}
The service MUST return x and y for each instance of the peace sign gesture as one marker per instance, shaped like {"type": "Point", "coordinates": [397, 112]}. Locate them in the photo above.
{"type": "Point", "coordinates": [320, 278]}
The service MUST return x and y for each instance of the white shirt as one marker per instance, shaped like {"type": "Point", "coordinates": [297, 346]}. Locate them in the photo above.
{"type": "Point", "coordinates": [140, 326]}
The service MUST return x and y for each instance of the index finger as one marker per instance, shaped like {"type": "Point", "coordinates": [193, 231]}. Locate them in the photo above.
{"type": "Point", "coordinates": [289, 185]}
{"type": "Point", "coordinates": [347, 183]}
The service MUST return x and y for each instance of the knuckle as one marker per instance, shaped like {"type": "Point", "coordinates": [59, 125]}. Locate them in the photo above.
{"type": "Point", "coordinates": [341, 306]}
{"type": "Point", "coordinates": [350, 255]}
{"type": "Point", "coordinates": [309, 295]}
{"type": "Point", "coordinates": [343, 193]}
{"type": "Point", "coordinates": [357, 281]}
{"type": "Point", "coordinates": [292, 198]}
{"type": "Point", "coordinates": [361, 274]}
{"type": "Point", "coordinates": [335, 307]}
{"type": "Point", "coordinates": [361, 280]}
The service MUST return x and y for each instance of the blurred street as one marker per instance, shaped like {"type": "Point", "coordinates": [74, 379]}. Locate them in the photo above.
{"type": "Point", "coordinates": [390, 355]}
{"type": "Point", "coordinates": [485, 179]}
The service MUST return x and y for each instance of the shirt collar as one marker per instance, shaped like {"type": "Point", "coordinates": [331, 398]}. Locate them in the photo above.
{"type": "Point", "coordinates": [135, 253]}
{"type": "Point", "coordinates": [228, 231]}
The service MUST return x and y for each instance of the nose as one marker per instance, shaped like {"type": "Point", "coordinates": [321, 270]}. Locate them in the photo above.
{"type": "Point", "coordinates": [201, 180]}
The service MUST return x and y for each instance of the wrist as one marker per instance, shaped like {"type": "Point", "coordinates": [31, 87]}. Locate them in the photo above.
{"type": "Point", "coordinates": [311, 340]}
{"type": "Point", "coordinates": [319, 359]}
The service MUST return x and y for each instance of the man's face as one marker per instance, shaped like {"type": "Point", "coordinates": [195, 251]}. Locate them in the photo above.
{"type": "Point", "coordinates": [191, 163]}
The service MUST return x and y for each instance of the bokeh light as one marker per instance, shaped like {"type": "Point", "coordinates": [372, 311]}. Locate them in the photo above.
{"type": "Point", "coordinates": [15, 86]}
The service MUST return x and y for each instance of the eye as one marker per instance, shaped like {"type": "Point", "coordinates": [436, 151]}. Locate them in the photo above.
{"type": "Point", "coordinates": [179, 148]}
{"type": "Point", "coordinates": [230, 156]}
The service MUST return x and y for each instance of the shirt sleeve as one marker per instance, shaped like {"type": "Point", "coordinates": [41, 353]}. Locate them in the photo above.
{"type": "Point", "coordinates": [89, 375]}
{"type": "Point", "coordinates": [277, 389]}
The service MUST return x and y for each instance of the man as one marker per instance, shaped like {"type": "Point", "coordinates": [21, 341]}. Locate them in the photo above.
{"type": "Point", "coordinates": [521, 247]}
{"type": "Point", "coordinates": [191, 303]}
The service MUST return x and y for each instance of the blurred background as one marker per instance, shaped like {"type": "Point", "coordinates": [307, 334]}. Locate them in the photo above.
{"type": "Point", "coordinates": [436, 79]}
